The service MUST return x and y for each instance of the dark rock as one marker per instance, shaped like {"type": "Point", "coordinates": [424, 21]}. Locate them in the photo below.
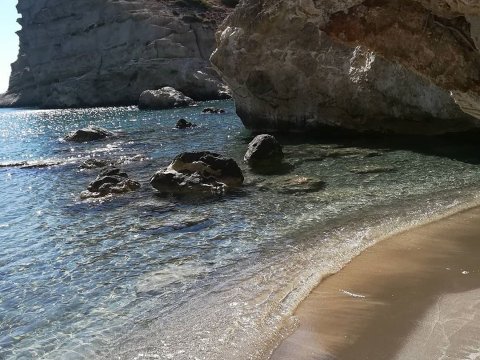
{"type": "Point", "coordinates": [110, 181]}
{"type": "Point", "coordinates": [198, 172]}
{"type": "Point", "coordinates": [209, 165]}
{"type": "Point", "coordinates": [212, 110]}
{"type": "Point", "coordinates": [264, 152]}
{"type": "Point", "coordinates": [230, 3]}
{"type": "Point", "coordinates": [184, 124]}
{"type": "Point", "coordinates": [89, 133]}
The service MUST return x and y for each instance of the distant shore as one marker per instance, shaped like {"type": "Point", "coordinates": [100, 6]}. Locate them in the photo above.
{"type": "Point", "coordinates": [415, 295]}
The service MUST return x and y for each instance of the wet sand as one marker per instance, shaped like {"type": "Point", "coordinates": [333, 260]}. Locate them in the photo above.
{"type": "Point", "coordinates": [413, 296]}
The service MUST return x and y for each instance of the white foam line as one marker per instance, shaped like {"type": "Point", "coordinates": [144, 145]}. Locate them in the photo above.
{"type": "Point", "coordinates": [352, 294]}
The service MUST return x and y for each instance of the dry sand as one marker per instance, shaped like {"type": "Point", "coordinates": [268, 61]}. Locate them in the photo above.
{"type": "Point", "coordinates": [413, 296]}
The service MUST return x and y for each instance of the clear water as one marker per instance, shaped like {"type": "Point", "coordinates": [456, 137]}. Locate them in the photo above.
{"type": "Point", "coordinates": [140, 276]}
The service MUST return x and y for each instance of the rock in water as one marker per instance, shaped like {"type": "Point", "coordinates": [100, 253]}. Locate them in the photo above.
{"type": "Point", "coordinates": [164, 98]}
{"type": "Point", "coordinates": [89, 133]}
{"type": "Point", "coordinates": [184, 124]}
{"type": "Point", "coordinates": [212, 110]}
{"type": "Point", "coordinates": [198, 172]}
{"type": "Point", "coordinates": [110, 181]}
{"type": "Point", "coordinates": [264, 150]}
{"type": "Point", "coordinates": [374, 66]}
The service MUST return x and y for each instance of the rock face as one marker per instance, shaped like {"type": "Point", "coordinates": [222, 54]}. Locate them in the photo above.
{"type": "Point", "coordinates": [107, 52]}
{"type": "Point", "coordinates": [198, 172]}
{"type": "Point", "coordinates": [394, 66]}
{"type": "Point", "coordinates": [164, 98]}
{"type": "Point", "coordinates": [90, 133]}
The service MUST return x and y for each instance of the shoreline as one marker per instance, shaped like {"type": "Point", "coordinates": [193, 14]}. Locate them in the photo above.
{"type": "Point", "coordinates": [392, 294]}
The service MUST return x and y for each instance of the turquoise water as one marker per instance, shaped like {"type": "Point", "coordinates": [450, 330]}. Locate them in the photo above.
{"type": "Point", "coordinates": [144, 276]}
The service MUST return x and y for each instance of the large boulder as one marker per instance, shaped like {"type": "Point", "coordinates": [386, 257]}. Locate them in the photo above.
{"type": "Point", "coordinates": [198, 172]}
{"type": "Point", "coordinates": [164, 98]}
{"type": "Point", "coordinates": [110, 181]}
{"type": "Point", "coordinates": [90, 133]}
{"type": "Point", "coordinates": [394, 66]}
{"type": "Point", "coordinates": [264, 150]}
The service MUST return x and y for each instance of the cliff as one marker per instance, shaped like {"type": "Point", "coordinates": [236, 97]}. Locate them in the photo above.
{"type": "Point", "coordinates": [393, 66]}
{"type": "Point", "coordinates": [106, 52]}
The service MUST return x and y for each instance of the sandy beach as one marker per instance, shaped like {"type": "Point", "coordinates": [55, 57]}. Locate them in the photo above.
{"type": "Point", "coordinates": [413, 296]}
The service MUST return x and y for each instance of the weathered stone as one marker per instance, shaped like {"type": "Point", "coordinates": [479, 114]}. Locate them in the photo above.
{"type": "Point", "coordinates": [90, 133]}
{"type": "Point", "coordinates": [209, 165]}
{"type": "Point", "coordinates": [110, 181]}
{"type": "Point", "coordinates": [198, 172]}
{"type": "Point", "coordinates": [184, 124]}
{"type": "Point", "coordinates": [92, 53]}
{"type": "Point", "coordinates": [395, 66]}
{"type": "Point", "coordinates": [264, 150]}
{"type": "Point", "coordinates": [164, 98]}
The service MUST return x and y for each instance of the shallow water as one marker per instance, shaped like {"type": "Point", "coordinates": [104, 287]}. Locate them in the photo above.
{"type": "Point", "coordinates": [143, 276]}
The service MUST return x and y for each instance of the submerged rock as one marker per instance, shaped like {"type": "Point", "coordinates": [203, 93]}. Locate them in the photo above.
{"type": "Point", "coordinates": [110, 181]}
{"type": "Point", "coordinates": [198, 172]}
{"type": "Point", "coordinates": [212, 110]}
{"type": "Point", "coordinates": [375, 66]}
{"type": "Point", "coordinates": [164, 98]}
{"type": "Point", "coordinates": [372, 169]}
{"type": "Point", "coordinates": [94, 164]}
{"type": "Point", "coordinates": [184, 124]}
{"type": "Point", "coordinates": [90, 133]}
{"type": "Point", "coordinates": [296, 185]}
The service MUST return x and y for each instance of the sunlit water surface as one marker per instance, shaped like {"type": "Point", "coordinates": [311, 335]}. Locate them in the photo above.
{"type": "Point", "coordinates": [140, 276]}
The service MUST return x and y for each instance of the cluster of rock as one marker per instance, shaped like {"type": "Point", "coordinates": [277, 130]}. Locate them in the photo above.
{"type": "Point", "coordinates": [201, 172]}
{"type": "Point", "coordinates": [107, 52]}
{"type": "Point", "coordinates": [395, 66]}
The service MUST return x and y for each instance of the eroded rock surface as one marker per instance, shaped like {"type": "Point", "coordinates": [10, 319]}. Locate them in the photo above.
{"type": "Point", "coordinates": [107, 52]}
{"type": "Point", "coordinates": [198, 173]}
{"type": "Point", "coordinates": [399, 66]}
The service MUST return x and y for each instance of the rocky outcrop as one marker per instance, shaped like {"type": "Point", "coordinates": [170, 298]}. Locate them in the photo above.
{"type": "Point", "coordinates": [107, 52]}
{"type": "Point", "coordinates": [164, 98]}
{"type": "Point", "coordinates": [201, 172]}
{"type": "Point", "coordinates": [90, 133]}
{"type": "Point", "coordinates": [394, 66]}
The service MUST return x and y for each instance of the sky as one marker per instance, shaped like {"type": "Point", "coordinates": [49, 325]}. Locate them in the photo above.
{"type": "Point", "coordinates": [8, 39]}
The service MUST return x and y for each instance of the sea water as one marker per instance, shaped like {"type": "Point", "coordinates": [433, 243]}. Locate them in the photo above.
{"type": "Point", "coordinates": [144, 276]}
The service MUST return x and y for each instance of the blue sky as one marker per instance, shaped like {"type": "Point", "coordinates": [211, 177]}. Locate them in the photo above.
{"type": "Point", "coordinates": [8, 39]}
